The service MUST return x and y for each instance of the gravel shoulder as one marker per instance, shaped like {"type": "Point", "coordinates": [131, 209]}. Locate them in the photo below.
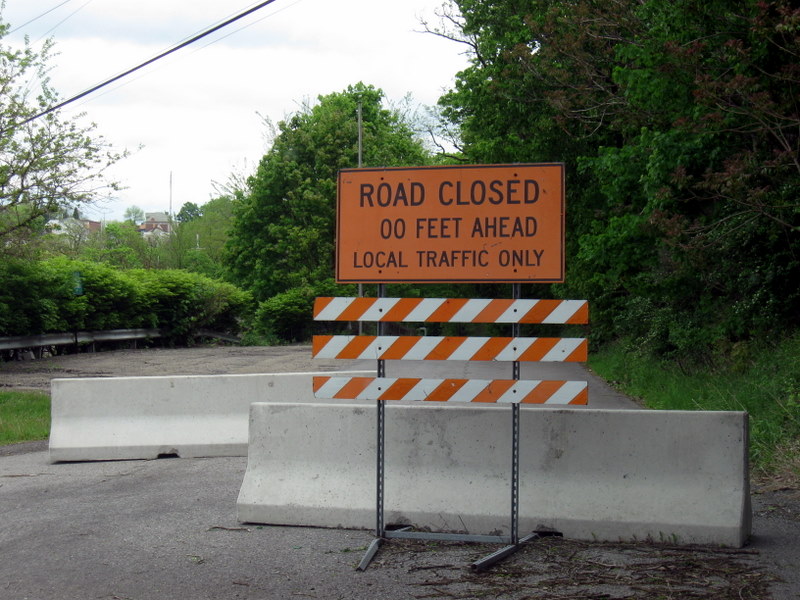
{"type": "Point", "coordinates": [769, 567]}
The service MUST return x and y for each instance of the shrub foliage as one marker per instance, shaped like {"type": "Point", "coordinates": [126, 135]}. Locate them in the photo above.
{"type": "Point", "coordinates": [59, 295]}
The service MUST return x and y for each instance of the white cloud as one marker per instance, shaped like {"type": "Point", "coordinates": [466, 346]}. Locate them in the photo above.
{"type": "Point", "coordinates": [195, 112]}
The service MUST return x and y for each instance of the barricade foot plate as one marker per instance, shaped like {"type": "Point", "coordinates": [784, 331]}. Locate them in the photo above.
{"type": "Point", "coordinates": [495, 557]}
{"type": "Point", "coordinates": [372, 550]}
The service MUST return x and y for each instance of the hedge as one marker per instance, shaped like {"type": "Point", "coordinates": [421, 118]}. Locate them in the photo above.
{"type": "Point", "coordinates": [62, 295]}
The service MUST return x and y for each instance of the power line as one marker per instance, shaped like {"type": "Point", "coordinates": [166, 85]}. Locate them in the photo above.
{"type": "Point", "coordinates": [62, 21]}
{"type": "Point", "coordinates": [183, 44]}
{"type": "Point", "coordinates": [212, 42]}
{"type": "Point", "coordinates": [243, 27]}
{"type": "Point", "coordinates": [47, 12]}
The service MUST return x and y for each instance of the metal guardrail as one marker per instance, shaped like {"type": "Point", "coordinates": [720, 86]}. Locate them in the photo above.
{"type": "Point", "coordinates": [87, 337]}
{"type": "Point", "coordinates": [79, 337]}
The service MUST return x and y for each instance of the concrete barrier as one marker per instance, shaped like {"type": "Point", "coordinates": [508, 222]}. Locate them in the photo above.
{"type": "Point", "coordinates": [675, 476]}
{"type": "Point", "coordinates": [672, 476]}
{"type": "Point", "coordinates": [315, 465]}
{"type": "Point", "coordinates": [119, 418]}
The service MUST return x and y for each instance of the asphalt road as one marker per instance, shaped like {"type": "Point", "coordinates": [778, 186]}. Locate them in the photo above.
{"type": "Point", "coordinates": [167, 529]}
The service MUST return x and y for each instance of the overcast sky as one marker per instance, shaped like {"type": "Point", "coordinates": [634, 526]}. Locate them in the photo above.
{"type": "Point", "coordinates": [196, 113]}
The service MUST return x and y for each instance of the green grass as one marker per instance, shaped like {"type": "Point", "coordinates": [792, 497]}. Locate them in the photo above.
{"type": "Point", "coordinates": [24, 417]}
{"type": "Point", "coordinates": [763, 381]}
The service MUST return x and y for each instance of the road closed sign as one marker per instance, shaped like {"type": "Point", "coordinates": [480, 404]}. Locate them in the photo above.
{"type": "Point", "coordinates": [502, 223]}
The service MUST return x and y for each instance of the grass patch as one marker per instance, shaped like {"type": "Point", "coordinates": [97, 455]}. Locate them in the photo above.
{"type": "Point", "coordinates": [763, 381]}
{"type": "Point", "coordinates": [24, 417]}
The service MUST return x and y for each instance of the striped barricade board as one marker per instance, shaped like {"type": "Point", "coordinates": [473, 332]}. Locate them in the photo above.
{"type": "Point", "coordinates": [452, 310]}
{"type": "Point", "coordinates": [500, 391]}
{"type": "Point", "coordinates": [431, 347]}
{"type": "Point", "coordinates": [450, 348]}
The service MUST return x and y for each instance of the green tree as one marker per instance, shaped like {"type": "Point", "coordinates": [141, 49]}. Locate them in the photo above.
{"type": "Point", "coordinates": [678, 124]}
{"type": "Point", "coordinates": [710, 168]}
{"type": "Point", "coordinates": [189, 212]}
{"type": "Point", "coordinates": [134, 214]}
{"type": "Point", "coordinates": [207, 236]}
{"type": "Point", "coordinates": [121, 245]}
{"type": "Point", "coordinates": [47, 163]}
{"type": "Point", "coordinates": [67, 238]}
{"type": "Point", "coordinates": [283, 230]}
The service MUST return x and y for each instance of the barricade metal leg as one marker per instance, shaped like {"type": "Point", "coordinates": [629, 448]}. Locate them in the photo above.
{"type": "Point", "coordinates": [372, 550]}
{"type": "Point", "coordinates": [381, 462]}
{"type": "Point", "coordinates": [515, 473]}
{"type": "Point", "coordinates": [380, 527]}
{"type": "Point", "coordinates": [515, 375]}
{"type": "Point", "coordinates": [381, 410]}
{"type": "Point", "coordinates": [494, 558]}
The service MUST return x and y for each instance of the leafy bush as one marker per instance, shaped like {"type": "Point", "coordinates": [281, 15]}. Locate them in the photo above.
{"type": "Point", "coordinates": [30, 296]}
{"type": "Point", "coordinates": [180, 303]}
{"type": "Point", "coordinates": [288, 316]}
{"type": "Point", "coordinates": [60, 295]}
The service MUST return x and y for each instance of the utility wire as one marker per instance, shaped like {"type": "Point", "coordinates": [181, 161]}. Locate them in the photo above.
{"type": "Point", "coordinates": [183, 44]}
{"type": "Point", "coordinates": [243, 27]}
{"type": "Point", "coordinates": [47, 12]}
{"type": "Point", "coordinates": [210, 43]}
{"type": "Point", "coordinates": [62, 21]}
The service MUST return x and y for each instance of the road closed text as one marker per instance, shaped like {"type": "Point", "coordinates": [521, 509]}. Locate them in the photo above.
{"type": "Point", "coordinates": [449, 193]}
{"type": "Point", "coordinates": [475, 223]}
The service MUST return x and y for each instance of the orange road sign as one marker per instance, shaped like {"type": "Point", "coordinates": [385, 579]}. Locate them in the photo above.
{"type": "Point", "coordinates": [502, 223]}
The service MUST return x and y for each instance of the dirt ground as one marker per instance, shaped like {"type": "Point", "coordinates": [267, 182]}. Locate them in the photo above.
{"type": "Point", "coordinates": [768, 568]}
{"type": "Point", "coordinates": [201, 360]}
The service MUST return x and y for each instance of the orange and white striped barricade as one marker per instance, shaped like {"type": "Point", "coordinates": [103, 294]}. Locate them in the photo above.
{"type": "Point", "coordinates": [514, 391]}
{"type": "Point", "coordinates": [452, 348]}
{"type": "Point", "coordinates": [452, 310]}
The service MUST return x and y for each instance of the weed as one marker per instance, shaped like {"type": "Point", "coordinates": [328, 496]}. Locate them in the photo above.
{"type": "Point", "coordinates": [765, 384]}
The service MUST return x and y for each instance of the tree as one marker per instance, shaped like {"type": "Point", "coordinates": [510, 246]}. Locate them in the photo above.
{"type": "Point", "coordinates": [134, 214]}
{"type": "Point", "coordinates": [121, 245]}
{"type": "Point", "coordinates": [47, 163]}
{"type": "Point", "coordinates": [283, 231]}
{"type": "Point", "coordinates": [206, 237]}
{"type": "Point", "coordinates": [189, 212]}
{"type": "Point", "coordinates": [69, 237]}
{"type": "Point", "coordinates": [678, 123]}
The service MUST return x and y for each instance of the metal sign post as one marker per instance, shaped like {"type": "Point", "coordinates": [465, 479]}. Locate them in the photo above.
{"type": "Point", "coordinates": [380, 478]}
{"type": "Point", "coordinates": [494, 558]}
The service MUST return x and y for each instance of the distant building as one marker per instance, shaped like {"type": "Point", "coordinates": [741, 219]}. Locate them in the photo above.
{"type": "Point", "coordinates": [155, 224]}
{"type": "Point", "coordinates": [70, 225]}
